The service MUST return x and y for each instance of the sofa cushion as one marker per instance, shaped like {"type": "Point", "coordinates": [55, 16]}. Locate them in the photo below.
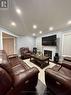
{"type": "Point", "coordinates": [18, 69]}
{"type": "Point", "coordinates": [62, 70]}
{"type": "Point", "coordinates": [56, 68]}
{"type": "Point", "coordinates": [66, 72]}
{"type": "Point", "coordinates": [14, 61]}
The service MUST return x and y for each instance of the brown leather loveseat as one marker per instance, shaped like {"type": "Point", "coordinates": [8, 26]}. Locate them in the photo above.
{"type": "Point", "coordinates": [15, 75]}
{"type": "Point", "coordinates": [58, 79]}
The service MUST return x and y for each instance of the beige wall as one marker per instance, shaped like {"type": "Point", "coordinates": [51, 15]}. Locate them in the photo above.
{"type": "Point", "coordinates": [8, 45]}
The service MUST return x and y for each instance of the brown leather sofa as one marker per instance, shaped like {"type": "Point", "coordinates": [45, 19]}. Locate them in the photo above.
{"type": "Point", "coordinates": [15, 75]}
{"type": "Point", "coordinates": [58, 79]}
{"type": "Point", "coordinates": [25, 52]}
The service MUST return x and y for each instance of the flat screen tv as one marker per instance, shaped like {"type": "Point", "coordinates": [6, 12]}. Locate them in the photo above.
{"type": "Point", "coordinates": [49, 40]}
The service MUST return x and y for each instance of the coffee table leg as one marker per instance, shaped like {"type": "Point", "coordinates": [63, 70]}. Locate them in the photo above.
{"type": "Point", "coordinates": [30, 58]}
{"type": "Point", "coordinates": [48, 61]}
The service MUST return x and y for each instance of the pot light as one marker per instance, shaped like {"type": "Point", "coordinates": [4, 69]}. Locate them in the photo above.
{"type": "Point", "coordinates": [34, 34]}
{"type": "Point", "coordinates": [50, 28]}
{"type": "Point", "coordinates": [0, 59]}
{"type": "Point", "coordinates": [18, 11]}
{"type": "Point", "coordinates": [34, 26]}
{"type": "Point", "coordinates": [69, 22]}
{"type": "Point", "coordinates": [40, 32]}
{"type": "Point", "coordinates": [13, 24]}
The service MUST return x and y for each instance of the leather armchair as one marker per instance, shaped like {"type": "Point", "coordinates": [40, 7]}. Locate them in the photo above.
{"type": "Point", "coordinates": [25, 52]}
{"type": "Point", "coordinates": [58, 80]}
{"type": "Point", "coordinates": [15, 75]}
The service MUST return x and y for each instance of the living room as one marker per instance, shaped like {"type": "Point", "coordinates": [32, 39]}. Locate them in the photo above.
{"type": "Point", "coordinates": [43, 28]}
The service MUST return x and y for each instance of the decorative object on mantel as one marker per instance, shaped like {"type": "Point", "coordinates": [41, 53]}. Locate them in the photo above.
{"type": "Point", "coordinates": [39, 53]}
{"type": "Point", "coordinates": [34, 50]}
{"type": "Point", "coordinates": [56, 58]}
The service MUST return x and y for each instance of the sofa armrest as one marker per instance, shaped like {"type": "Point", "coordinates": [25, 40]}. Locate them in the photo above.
{"type": "Point", "coordinates": [12, 56]}
{"type": "Point", "coordinates": [25, 77]}
{"type": "Point", "coordinates": [66, 64]}
{"type": "Point", "coordinates": [67, 58]}
{"type": "Point", "coordinates": [59, 78]}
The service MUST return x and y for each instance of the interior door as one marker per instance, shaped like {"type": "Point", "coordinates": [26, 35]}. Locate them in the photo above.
{"type": "Point", "coordinates": [8, 45]}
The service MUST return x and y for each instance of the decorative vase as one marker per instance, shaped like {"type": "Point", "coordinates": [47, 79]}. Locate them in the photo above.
{"type": "Point", "coordinates": [56, 58]}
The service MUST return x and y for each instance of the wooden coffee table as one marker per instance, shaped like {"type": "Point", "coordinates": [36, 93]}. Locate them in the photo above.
{"type": "Point", "coordinates": [40, 60]}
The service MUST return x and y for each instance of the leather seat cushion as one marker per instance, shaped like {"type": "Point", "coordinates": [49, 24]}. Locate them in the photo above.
{"type": "Point", "coordinates": [56, 68]}
{"type": "Point", "coordinates": [18, 69]}
{"type": "Point", "coordinates": [62, 70]}
{"type": "Point", "coordinates": [65, 71]}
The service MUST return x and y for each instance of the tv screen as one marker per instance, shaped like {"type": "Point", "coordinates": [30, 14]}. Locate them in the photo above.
{"type": "Point", "coordinates": [49, 40]}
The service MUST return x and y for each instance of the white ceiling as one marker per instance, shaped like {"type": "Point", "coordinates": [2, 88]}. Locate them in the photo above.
{"type": "Point", "coordinates": [43, 13]}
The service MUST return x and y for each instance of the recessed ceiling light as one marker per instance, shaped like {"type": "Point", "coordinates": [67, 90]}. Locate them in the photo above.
{"type": "Point", "coordinates": [69, 22]}
{"type": "Point", "coordinates": [13, 23]}
{"type": "Point", "coordinates": [50, 28]}
{"type": "Point", "coordinates": [18, 11]}
{"type": "Point", "coordinates": [34, 34]}
{"type": "Point", "coordinates": [40, 32]}
{"type": "Point", "coordinates": [34, 26]}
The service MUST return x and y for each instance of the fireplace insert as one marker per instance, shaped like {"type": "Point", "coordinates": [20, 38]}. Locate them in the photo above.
{"type": "Point", "coordinates": [48, 53]}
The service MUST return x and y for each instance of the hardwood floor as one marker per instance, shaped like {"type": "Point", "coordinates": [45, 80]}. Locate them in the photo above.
{"type": "Point", "coordinates": [39, 90]}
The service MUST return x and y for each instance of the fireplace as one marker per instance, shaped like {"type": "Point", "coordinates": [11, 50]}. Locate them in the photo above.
{"type": "Point", "coordinates": [48, 53]}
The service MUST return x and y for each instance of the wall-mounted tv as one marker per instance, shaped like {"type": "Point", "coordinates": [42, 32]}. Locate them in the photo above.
{"type": "Point", "coordinates": [49, 40]}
